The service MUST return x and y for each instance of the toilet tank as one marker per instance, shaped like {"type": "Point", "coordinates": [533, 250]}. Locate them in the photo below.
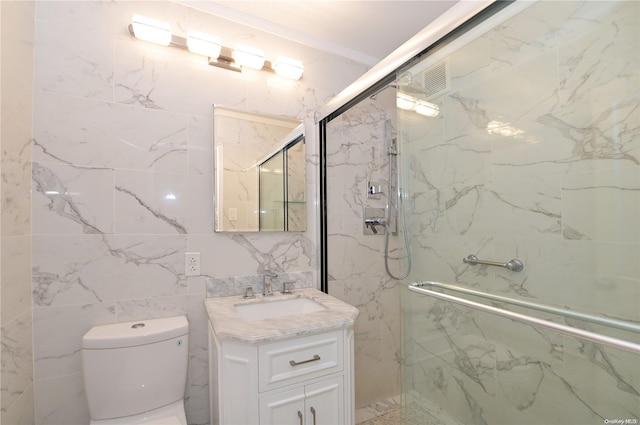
{"type": "Point", "coordinates": [130, 368]}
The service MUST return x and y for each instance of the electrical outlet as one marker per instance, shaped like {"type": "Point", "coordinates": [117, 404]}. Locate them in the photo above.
{"type": "Point", "coordinates": [192, 264]}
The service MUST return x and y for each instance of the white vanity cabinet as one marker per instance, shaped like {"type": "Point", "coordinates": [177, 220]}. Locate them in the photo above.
{"type": "Point", "coordinates": [305, 380]}
{"type": "Point", "coordinates": [321, 403]}
{"type": "Point", "coordinates": [276, 361]}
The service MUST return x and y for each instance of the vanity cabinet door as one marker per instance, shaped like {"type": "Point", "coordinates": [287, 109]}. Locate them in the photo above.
{"type": "Point", "coordinates": [285, 408]}
{"type": "Point", "coordinates": [321, 403]}
{"type": "Point", "coordinates": [324, 402]}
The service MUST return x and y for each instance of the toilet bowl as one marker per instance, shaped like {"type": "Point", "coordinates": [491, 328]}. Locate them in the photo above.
{"type": "Point", "coordinates": [136, 372]}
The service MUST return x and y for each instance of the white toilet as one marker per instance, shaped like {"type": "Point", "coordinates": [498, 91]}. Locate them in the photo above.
{"type": "Point", "coordinates": [136, 372]}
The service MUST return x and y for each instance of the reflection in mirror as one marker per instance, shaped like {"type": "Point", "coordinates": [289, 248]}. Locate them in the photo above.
{"type": "Point", "coordinates": [259, 172]}
{"type": "Point", "coordinates": [296, 184]}
{"type": "Point", "coordinates": [272, 193]}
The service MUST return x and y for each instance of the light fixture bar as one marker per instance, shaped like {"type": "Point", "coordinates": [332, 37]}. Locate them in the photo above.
{"type": "Point", "coordinates": [208, 45]}
{"type": "Point", "coordinates": [225, 60]}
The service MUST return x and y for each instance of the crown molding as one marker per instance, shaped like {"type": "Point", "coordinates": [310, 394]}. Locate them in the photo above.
{"type": "Point", "coordinates": [279, 30]}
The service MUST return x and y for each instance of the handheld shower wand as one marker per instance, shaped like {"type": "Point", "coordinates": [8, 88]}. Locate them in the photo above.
{"type": "Point", "coordinates": [394, 200]}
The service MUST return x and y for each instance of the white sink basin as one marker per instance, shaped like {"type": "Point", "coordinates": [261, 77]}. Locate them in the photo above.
{"type": "Point", "coordinates": [269, 309]}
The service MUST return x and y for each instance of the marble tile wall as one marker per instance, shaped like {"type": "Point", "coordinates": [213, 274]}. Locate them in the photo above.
{"type": "Point", "coordinates": [16, 89]}
{"type": "Point", "coordinates": [356, 154]}
{"type": "Point", "coordinates": [536, 156]}
{"type": "Point", "coordinates": [119, 125]}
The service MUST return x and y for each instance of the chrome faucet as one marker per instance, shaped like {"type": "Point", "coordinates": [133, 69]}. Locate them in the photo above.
{"type": "Point", "coordinates": [267, 288]}
{"type": "Point", "coordinates": [373, 222]}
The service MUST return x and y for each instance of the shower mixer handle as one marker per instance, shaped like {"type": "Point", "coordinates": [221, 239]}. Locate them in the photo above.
{"type": "Point", "coordinates": [375, 221]}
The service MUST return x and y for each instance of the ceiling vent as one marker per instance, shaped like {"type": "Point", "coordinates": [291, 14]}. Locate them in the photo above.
{"type": "Point", "coordinates": [436, 79]}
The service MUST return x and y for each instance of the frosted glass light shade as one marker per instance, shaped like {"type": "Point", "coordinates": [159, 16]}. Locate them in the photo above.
{"type": "Point", "coordinates": [288, 68]}
{"type": "Point", "coordinates": [249, 57]}
{"type": "Point", "coordinates": [404, 101]}
{"type": "Point", "coordinates": [427, 109]}
{"type": "Point", "coordinates": [203, 44]}
{"type": "Point", "coordinates": [151, 30]}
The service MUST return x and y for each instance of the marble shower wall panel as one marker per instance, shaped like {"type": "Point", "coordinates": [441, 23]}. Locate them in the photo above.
{"type": "Point", "coordinates": [377, 335]}
{"type": "Point", "coordinates": [602, 205]}
{"type": "Point", "coordinates": [123, 181]}
{"type": "Point", "coordinates": [440, 259]}
{"type": "Point", "coordinates": [482, 371]}
{"type": "Point", "coordinates": [540, 133]}
{"type": "Point", "coordinates": [357, 153]}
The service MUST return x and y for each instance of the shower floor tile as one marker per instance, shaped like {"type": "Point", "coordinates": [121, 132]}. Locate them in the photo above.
{"type": "Point", "coordinates": [414, 415]}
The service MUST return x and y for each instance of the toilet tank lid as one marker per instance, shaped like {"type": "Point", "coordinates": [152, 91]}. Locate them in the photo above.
{"type": "Point", "coordinates": [131, 334]}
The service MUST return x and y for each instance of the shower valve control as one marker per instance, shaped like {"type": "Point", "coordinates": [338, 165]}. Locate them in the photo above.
{"type": "Point", "coordinates": [373, 190]}
{"type": "Point", "coordinates": [374, 221]}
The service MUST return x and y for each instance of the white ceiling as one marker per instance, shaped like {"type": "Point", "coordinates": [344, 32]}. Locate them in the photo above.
{"type": "Point", "coordinates": [366, 31]}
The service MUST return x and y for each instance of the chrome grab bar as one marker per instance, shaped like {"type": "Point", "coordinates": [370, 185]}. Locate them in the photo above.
{"type": "Point", "coordinates": [567, 330]}
{"type": "Point", "coordinates": [514, 265]}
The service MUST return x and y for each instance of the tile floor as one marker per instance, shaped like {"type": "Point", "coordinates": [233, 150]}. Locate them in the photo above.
{"type": "Point", "coordinates": [389, 412]}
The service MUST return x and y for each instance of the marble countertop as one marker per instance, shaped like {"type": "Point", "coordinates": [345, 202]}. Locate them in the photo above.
{"type": "Point", "coordinates": [228, 325]}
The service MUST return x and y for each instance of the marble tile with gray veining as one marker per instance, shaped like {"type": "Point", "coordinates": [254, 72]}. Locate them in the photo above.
{"type": "Point", "coordinates": [16, 276]}
{"type": "Point", "coordinates": [58, 333]}
{"type": "Point", "coordinates": [97, 268]}
{"type": "Point", "coordinates": [235, 285]}
{"type": "Point", "coordinates": [159, 203]}
{"type": "Point", "coordinates": [17, 358]}
{"type": "Point", "coordinates": [66, 131]}
{"type": "Point", "coordinates": [72, 200]}
{"type": "Point", "coordinates": [198, 382]}
{"type": "Point", "coordinates": [56, 406]}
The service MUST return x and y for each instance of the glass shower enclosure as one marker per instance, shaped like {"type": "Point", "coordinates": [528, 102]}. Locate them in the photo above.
{"type": "Point", "coordinates": [520, 140]}
{"type": "Point", "coordinates": [517, 139]}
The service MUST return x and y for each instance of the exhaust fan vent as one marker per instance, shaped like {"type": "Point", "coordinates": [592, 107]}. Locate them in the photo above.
{"type": "Point", "coordinates": [436, 79]}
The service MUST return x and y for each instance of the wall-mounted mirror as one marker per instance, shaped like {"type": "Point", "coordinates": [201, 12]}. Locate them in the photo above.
{"type": "Point", "coordinates": [259, 172]}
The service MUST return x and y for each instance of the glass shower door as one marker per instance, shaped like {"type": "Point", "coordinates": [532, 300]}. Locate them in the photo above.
{"type": "Point", "coordinates": [531, 151]}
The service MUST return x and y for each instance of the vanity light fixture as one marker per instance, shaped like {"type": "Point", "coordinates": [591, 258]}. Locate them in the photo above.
{"type": "Point", "coordinates": [288, 68]}
{"type": "Point", "coordinates": [159, 32]}
{"type": "Point", "coordinates": [248, 56]}
{"type": "Point", "coordinates": [152, 30]}
{"type": "Point", "coordinates": [203, 44]}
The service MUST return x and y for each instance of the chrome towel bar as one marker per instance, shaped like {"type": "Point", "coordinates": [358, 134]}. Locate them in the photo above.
{"type": "Point", "coordinates": [564, 329]}
{"type": "Point", "coordinates": [514, 265]}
